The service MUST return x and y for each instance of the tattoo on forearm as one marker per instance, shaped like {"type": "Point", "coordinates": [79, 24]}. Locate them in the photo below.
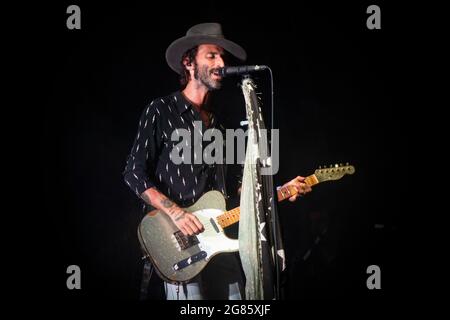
{"type": "Point", "coordinates": [171, 211]}
{"type": "Point", "coordinates": [166, 203]}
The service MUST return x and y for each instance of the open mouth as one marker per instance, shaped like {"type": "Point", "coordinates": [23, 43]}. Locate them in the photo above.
{"type": "Point", "coordinates": [216, 74]}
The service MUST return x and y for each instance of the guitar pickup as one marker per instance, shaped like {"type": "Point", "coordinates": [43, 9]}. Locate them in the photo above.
{"type": "Point", "coordinates": [187, 262]}
{"type": "Point", "coordinates": [213, 223]}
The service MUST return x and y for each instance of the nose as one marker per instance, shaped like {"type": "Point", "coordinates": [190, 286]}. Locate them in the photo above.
{"type": "Point", "coordinates": [219, 62]}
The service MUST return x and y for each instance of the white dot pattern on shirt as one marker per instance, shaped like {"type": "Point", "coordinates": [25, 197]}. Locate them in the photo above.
{"type": "Point", "coordinates": [159, 119]}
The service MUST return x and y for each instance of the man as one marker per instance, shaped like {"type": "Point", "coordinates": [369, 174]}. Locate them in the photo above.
{"type": "Point", "coordinates": [166, 186]}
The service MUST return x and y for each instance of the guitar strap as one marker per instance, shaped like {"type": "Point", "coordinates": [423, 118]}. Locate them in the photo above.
{"type": "Point", "coordinates": [222, 173]}
{"type": "Point", "coordinates": [146, 276]}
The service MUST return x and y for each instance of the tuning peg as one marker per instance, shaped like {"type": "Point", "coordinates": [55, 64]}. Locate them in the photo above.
{"type": "Point", "coordinates": [320, 167]}
{"type": "Point", "coordinates": [346, 163]}
{"type": "Point", "coordinates": [341, 165]}
{"type": "Point", "coordinates": [336, 165]}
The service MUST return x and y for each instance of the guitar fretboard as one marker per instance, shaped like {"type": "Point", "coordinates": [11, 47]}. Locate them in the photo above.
{"type": "Point", "coordinates": [229, 217]}
{"type": "Point", "coordinates": [232, 216]}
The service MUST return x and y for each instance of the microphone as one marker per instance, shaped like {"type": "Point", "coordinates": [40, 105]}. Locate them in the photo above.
{"type": "Point", "coordinates": [229, 71]}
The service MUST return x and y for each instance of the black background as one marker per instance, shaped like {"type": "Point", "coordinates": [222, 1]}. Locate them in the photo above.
{"type": "Point", "coordinates": [336, 88]}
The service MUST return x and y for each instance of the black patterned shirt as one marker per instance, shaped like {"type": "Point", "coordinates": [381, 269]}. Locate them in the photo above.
{"type": "Point", "coordinates": [150, 164]}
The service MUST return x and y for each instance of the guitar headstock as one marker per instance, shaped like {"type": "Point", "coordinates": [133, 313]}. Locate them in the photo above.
{"type": "Point", "coordinates": [333, 172]}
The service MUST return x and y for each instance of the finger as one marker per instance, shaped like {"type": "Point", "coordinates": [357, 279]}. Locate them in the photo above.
{"type": "Point", "coordinates": [293, 198]}
{"type": "Point", "coordinates": [299, 188]}
{"type": "Point", "coordinates": [304, 188]}
{"type": "Point", "coordinates": [191, 222]}
{"type": "Point", "coordinates": [197, 223]}
{"type": "Point", "coordinates": [300, 178]}
{"type": "Point", "coordinates": [295, 183]}
{"type": "Point", "coordinates": [194, 227]}
{"type": "Point", "coordinates": [183, 230]}
{"type": "Point", "coordinates": [188, 229]}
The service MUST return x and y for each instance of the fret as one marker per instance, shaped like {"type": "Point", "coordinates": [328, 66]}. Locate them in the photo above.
{"type": "Point", "coordinates": [311, 180]}
{"type": "Point", "coordinates": [232, 216]}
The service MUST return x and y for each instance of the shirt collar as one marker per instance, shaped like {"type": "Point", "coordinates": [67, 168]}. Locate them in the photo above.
{"type": "Point", "coordinates": [184, 105]}
{"type": "Point", "coordinates": [181, 102]}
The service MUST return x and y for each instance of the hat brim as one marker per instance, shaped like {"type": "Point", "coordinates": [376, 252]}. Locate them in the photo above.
{"type": "Point", "coordinates": [175, 51]}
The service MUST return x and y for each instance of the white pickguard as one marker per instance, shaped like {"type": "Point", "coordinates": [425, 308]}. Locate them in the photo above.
{"type": "Point", "coordinates": [211, 241]}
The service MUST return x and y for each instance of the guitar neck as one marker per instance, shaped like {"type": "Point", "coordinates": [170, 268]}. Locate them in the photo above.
{"type": "Point", "coordinates": [232, 216]}
{"type": "Point", "coordinates": [290, 191]}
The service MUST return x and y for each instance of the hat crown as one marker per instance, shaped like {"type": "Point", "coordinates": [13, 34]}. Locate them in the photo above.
{"type": "Point", "coordinates": [206, 29]}
{"type": "Point", "coordinates": [203, 33]}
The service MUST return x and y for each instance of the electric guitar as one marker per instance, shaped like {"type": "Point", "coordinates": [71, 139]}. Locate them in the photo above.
{"type": "Point", "coordinates": [178, 258]}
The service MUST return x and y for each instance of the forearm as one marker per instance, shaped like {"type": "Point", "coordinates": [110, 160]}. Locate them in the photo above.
{"type": "Point", "coordinates": [155, 198]}
{"type": "Point", "coordinates": [187, 222]}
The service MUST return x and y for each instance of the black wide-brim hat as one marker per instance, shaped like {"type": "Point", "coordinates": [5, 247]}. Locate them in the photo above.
{"type": "Point", "coordinates": [204, 33]}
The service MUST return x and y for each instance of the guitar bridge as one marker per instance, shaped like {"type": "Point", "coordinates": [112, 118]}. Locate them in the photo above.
{"type": "Point", "coordinates": [185, 242]}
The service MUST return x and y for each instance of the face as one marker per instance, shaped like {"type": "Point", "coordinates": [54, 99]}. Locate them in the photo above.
{"type": "Point", "coordinates": [207, 63]}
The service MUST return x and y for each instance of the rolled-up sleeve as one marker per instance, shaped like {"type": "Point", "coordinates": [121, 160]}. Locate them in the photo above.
{"type": "Point", "coordinates": [139, 171]}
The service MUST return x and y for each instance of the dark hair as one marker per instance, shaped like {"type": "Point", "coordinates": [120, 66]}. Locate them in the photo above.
{"type": "Point", "coordinates": [185, 75]}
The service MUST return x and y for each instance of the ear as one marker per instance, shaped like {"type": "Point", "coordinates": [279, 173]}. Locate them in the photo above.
{"type": "Point", "coordinates": [187, 64]}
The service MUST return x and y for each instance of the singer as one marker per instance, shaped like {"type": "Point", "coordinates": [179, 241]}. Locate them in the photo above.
{"type": "Point", "coordinates": [198, 58]}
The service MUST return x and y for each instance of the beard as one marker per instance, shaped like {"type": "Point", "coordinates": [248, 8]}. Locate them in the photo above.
{"type": "Point", "coordinates": [203, 74]}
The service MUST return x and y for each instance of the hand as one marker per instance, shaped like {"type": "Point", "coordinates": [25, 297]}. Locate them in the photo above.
{"type": "Point", "coordinates": [187, 222]}
{"type": "Point", "coordinates": [299, 184]}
